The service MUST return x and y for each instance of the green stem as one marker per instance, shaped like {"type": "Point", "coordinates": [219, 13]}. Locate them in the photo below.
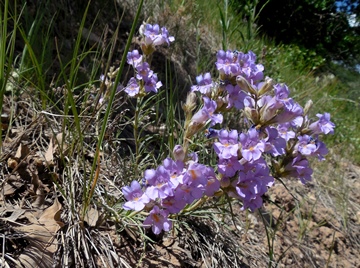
{"type": "Point", "coordinates": [136, 133]}
{"type": "Point", "coordinates": [196, 205]}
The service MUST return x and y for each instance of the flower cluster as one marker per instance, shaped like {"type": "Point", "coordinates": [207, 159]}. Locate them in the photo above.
{"type": "Point", "coordinates": [277, 143]}
{"type": "Point", "coordinates": [145, 80]}
{"type": "Point", "coordinates": [169, 188]}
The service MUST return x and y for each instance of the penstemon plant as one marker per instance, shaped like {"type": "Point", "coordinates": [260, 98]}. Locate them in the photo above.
{"type": "Point", "coordinates": [276, 144]}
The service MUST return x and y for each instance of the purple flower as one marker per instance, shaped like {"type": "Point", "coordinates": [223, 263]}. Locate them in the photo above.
{"type": "Point", "coordinates": [229, 167]}
{"type": "Point", "coordinates": [158, 220]}
{"type": "Point", "coordinates": [284, 131]}
{"type": "Point", "coordinates": [175, 170]}
{"type": "Point", "coordinates": [135, 196]}
{"type": "Point", "coordinates": [320, 151]}
{"type": "Point", "coordinates": [226, 63]}
{"type": "Point", "coordinates": [323, 125]}
{"type": "Point", "coordinates": [132, 88]}
{"type": "Point", "coordinates": [248, 68]}
{"type": "Point", "coordinates": [152, 84]}
{"type": "Point", "coordinates": [152, 34]}
{"type": "Point", "coordinates": [204, 84]}
{"type": "Point", "coordinates": [206, 113]}
{"type": "Point", "coordinates": [289, 113]}
{"type": "Point", "coordinates": [188, 192]}
{"type": "Point", "coordinates": [274, 143]}
{"type": "Point", "coordinates": [154, 37]}
{"type": "Point", "coordinates": [299, 168]}
{"type": "Point", "coordinates": [227, 146]}
{"type": "Point", "coordinates": [134, 58]}
{"type": "Point", "coordinates": [213, 184]}
{"type": "Point", "coordinates": [252, 147]}
{"type": "Point", "coordinates": [143, 71]}
{"type": "Point", "coordinates": [165, 36]}
{"type": "Point", "coordinates": [252, 183]}
{"type": "Point", "coordinates": [173, 205]}
{"type": "Point", "coordinates": [195, 174]}
{"type": "Point", "coordinates": [160, 185]}
{"type": "Point", "coordinates": [236, 97]}
{"type": "Point", "coordinates": [281, 91]}
{"type": "Point", "coordinates": [253, 203]}
{"type": "Point", "coordinates": [306, 145]}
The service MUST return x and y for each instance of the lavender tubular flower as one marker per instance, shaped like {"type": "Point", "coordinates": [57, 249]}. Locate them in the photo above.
{"type": "Point", "coordinates": [227, 146]}
{"type": "Point", "coordinates": [154, 37]}
{"type": "Point", "coordinates": [248, 68]}
{"type": "Point", "coordinates": [305, 145]}
{"type": "Point", "coordinates": [252, 147]}
{"type": "Point", "coordinates": [206, 113]}
{"type": "Point", "coordinates": [135, 196]}
{"type": "Point", "coordinates": [158, 220]}
{"type": "Point", "coordinates": [132, 88]}
{"type": "Point", "coordinates": [274, 143]}
{"type": "Point", "coordinates": [134, 58]}
{"type": "Point", "coordinates": [236, 97]}
{"type": "Point", "coordinates": [226, 63]}
{"type": "Point", "coordinates": [213, 184]}
{"type": "Point", "coordinates": [152, 84]}
{"type": "Point", "coordinates": [160, 185]}
{"type": "Point", "coordinates": [143, 71]}
{"type": "Point", "coordinates": [229, 167]}
{"type": "Point", "coordinates": [204, 84]}
{"type": "Point", "coordinates": [165, 36]}
{"type": "Point", "coordinates": [323, 125]}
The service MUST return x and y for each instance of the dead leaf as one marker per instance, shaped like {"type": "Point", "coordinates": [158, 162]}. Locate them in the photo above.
{"type": "Point", "coordinates": [42, 238]}
{"type": "Point", "coordinates": [32, 257]}
{"type": "Point", "coordinates": [92, 216]}
{"type": "Point", "coordinates": [59, 138]}
{"type": "Point", "coordinates": [15, 215]}
{"type": "Point", "coordinates": [10, 188]}
{"type": "Point", "coordinates": [40, 198]}
{"type": "Point", "coordinates": [49, 155]}
{"type": "Point", "coordinates": [52, 213]}
{"type": "Point", "coordinates": [22, 151]}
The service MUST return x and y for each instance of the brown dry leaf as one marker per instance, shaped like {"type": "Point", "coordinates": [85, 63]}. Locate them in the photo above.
{"type": "Point", "coordinates": [32, 257]}
{"type": "Point", "coordinates": [52, 213]}
{"type": "Point", "coordinates": [38, 188]}
{"type": "Point", "coordinates": [40, 198]}
{"type": "Point", "coordinates": [92, 216]}
{"type": "Point", "coordinates": [22, 151]}
{"type": "Point", "coordinates": [10, 188]}
{"type": "Point", "coordinates": [37, 183]}
{"type": "Point", "coordinates": [59, 138]}
{"type": "Point", "coordinates": [49, 155]}
{"type": "Point", "coordinates": [16, 213]}
{"type": "Point", "coordinates": [42, 238]}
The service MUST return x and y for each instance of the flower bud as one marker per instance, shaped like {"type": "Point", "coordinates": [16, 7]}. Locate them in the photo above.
{"type": "Point", "coordinates": [267, 86]}
{"type": "Point", "coordinates": [190, 103]}
{"type": "Point", "coordinates": [308, 106]}
{"type": "Point", "coordinates": [245, 85]}
{"type": "Point", "coordinates": [225, 182]}
{"type": "Point", "coordinates": [179, 153]}
{"type": "Point", "coordinates": [252, 114]}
